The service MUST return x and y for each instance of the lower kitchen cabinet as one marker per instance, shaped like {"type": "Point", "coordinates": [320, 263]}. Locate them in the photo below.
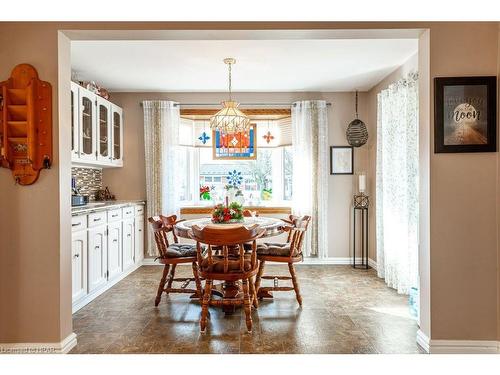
{"type": "Point", "coordinates": [128, 243]}
{"type": "Point", "coordinates": [106, 246]}
{"type": "Point", "coordinates": [79, 264]}
{"type": "Point", "coordinates": [139, 239]}
{"type": "Point", "coordinates": [98, 257]}
{"type": "Point", "coordinates": [114, 249]}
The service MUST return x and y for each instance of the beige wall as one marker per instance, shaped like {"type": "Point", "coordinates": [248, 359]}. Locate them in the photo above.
{"type": "Point", "coordinates": [463, 216]}
{"type": "Point", "coordinates": [129, 182]}
{"type": "Point", "coordinates": [463, 206]}
{"type": "Point", "coordinates": [35, 301]}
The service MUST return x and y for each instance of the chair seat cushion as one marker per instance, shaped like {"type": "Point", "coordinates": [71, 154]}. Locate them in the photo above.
{"type": "Point", "coordinates": [217, 265]}
{"type": "Point", "coordinates": [277, 249]}
{"type": "Point", "coordinates": [179, 250]}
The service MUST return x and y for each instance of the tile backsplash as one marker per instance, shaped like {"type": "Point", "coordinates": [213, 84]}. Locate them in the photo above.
{"type": "Point", "coordinates": [88, 180]}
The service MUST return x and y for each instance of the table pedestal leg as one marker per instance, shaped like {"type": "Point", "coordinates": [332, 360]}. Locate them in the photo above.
{"type": "Point", "coordinates": [264, 294]}
{"type": "Point", "coordinates": [228, 290]}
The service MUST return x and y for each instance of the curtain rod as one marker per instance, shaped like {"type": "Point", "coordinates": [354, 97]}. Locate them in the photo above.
{"type": "Point", "coordinates": [241, 104]}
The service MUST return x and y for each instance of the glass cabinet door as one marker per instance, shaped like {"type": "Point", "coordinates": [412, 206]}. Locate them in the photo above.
{"type": "Point", "coordinates": [87, 128]}
{"type": "Point", "coordinates": [103, 127]}
{"type": "Point", "coordinates": [75, 145]}
{"type": "Point", "coordinates": [117, 141]}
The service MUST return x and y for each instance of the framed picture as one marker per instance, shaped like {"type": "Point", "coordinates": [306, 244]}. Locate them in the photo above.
{"type": "Point", "coordinates": [341, 160]}
{"type": "Point", "coordinates": [235, 146]}
{"type": "Point", "coordinates": [465, 114]}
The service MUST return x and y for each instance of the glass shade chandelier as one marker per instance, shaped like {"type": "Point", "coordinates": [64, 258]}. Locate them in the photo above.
{"type": "Point", "coordinates": [230, 119]}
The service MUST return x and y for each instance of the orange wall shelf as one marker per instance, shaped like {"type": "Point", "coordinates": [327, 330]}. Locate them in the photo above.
{"type": "Point", "coordinates": [25, 124]}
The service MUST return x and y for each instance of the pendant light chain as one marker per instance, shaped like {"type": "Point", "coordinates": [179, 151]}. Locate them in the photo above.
{"type": "Point", "coordinates": [230, 94]}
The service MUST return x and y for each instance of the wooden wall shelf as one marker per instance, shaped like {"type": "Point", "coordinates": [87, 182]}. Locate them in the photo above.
{"type": "Point", "coordinates": [25, 124]}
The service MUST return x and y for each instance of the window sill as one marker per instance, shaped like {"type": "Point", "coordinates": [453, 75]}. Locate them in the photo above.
{"type": "Point", "coordinates": [262, 209]}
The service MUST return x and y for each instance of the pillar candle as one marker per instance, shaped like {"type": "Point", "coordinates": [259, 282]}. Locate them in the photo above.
{"type": "Point", "coordinates": [362, 183]}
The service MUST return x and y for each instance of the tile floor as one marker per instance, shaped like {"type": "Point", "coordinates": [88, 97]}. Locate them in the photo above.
{"type": "Point", "coordinates": [344, 311]}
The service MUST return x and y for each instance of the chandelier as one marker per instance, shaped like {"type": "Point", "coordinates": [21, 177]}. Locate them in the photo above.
{"type": "Point", "coordinates": [230, 119]}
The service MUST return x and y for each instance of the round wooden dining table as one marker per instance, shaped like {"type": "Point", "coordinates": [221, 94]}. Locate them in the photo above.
{"type": "Point", "coordinates": [273, 227]}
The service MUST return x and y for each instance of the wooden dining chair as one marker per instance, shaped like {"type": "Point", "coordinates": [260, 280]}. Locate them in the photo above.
{"type": "Point", "coordinates": [289, 252]}
{"type": "Point", "coordinates": [171, 254]}
{"type": "Point", "coordinates": [232, 265]}
{"type": "Point", "coordinates": [250, 213]}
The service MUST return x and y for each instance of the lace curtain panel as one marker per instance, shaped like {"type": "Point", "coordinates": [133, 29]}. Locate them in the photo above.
{"type": "Point", "coordinates": [310, 172]}
{"type": "Point", "coordinates": [161, 141]}
{"type": "Point", "coordinates": [397, 184]}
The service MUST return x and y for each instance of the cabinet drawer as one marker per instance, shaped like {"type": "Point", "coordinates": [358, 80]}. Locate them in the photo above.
{"type": "Point", "coordinates": [139, 210]}
{"type": "Point", "coordinates": [114, 215]}
{"type": "Point", "coordinates": [97, 218]}
{"type": "Point", "coordinates": [128, 212]}
{"type": "Point", "coordinates": [78, 223]}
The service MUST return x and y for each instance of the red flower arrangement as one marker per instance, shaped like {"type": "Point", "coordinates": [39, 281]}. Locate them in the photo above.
{"type": "Point", "coordinates": [232, 213]}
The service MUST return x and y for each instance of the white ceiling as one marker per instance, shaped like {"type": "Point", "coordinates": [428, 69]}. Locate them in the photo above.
{"type": "Point", "coordinates": [262, 65]}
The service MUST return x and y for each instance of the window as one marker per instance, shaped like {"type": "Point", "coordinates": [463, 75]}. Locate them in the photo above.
{"type": "Point", "coordinates": [264, 181]}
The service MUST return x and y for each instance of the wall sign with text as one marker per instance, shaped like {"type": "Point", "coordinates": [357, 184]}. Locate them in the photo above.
{"type": "Point", "coordinates": [465, 114]}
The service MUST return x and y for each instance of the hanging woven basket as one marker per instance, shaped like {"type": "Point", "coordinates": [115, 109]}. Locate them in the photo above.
{"type": "Point", "coordinates": [357, 134]}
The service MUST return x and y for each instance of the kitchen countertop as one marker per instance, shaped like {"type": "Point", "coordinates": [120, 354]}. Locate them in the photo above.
{"type": "Point", "coordinates": [101, 206]}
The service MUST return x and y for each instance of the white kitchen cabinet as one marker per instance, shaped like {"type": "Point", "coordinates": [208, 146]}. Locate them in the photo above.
{"type": "Point", "coordinates": [139, 239]}
{"type": "Point", "coordinates": [97, 254]}
{"type": "Point", "coordinates": [114, 249]}
{"type": "Point", "coordinates": [107, 245]}
{"type": "Point", "coordinates": [116, 135]}
{"type": "Point", "coordinates": [87, 128]}
{"type": "Point", "coordinates": [75, 131]}
{"type": "Point", "coordinates": [79, 264]}
{"type": "Point", "coordinates": [97, 126]}
{"type": "Point", "coordinates": [103, 130]}
{"type": "Point", "coordinates": [128, 243]}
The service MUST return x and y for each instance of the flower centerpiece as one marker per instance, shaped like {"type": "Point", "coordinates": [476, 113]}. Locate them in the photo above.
{"type": "Point", "coordinates": [229, 214]}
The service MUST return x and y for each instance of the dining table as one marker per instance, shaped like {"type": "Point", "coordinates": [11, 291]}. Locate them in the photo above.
{"type": "Point", "coordinates": [228, 289]}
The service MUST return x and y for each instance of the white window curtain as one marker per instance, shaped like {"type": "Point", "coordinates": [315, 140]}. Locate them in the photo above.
{"type": "Point", "coordinates": [161, 141]}
{"type": "Point", "coordinates": [310, 172]}
{"type": "Point", "coordinates": [397, 184]}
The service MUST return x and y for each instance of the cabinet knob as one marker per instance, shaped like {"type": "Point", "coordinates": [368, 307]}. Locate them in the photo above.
{"type": "Point", "coordinates": [77, 255]}
{"type": "Point", "coordinates": [128, 235]}
{"type": "Point", "coordinates": [115, 240]}
{"type": "Point", "coordinates": [97, 247]}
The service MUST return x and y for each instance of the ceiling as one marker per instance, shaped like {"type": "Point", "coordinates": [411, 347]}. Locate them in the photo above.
{"type": "Point", "coordinates": [262, 65]}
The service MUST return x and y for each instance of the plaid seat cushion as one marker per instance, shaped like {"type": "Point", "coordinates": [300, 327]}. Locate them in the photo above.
{"type": "Point", "coordinates": [277, 249]}
{"type": "Point", "coordinates": [217, 265]}
{"type": "Point", "coordinates": [179, 250]}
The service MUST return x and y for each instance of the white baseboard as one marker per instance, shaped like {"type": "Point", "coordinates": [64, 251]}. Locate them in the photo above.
{"type": "Point", "coordinates": [457, 346]}
{"type": "Point", "coordinates": [307, 261]}
{"type": "Point", "coordinates": [62, 347]}
{"type": "Point", "coordinates": [96, 293]}
{"type": "Point", "coordinates": [423, 341]}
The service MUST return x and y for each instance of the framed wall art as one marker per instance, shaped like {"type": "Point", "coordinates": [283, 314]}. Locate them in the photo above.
{"type": "Point", "coordinates": [341, 160]}
{"type": "Point", "coordinates": [235, 146]}
{"type": "Point", "coordinates": [465, 114]}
